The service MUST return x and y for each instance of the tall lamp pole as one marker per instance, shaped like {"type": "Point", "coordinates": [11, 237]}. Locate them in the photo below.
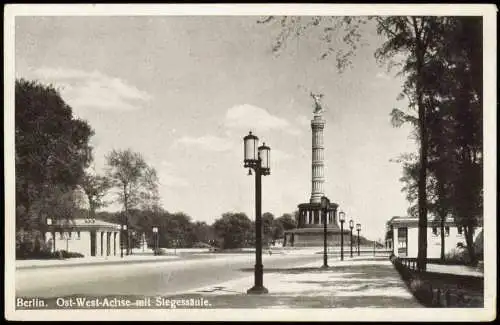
{"type": "Point", "coordinates": [155, 240]}
{"type": "Point", "coordinates": [126, 239]}
{"type": "Point", "coordinates": [131, 241]}
{"type": "Point", "coordinates": [342, 220]}
{"type": "Point", "coordinates": [127, 234]}
{"type": "Point", "coordinates": [325, 204]}
{"type": "Point", "coordinates": [258, 159]}
{"type": "Point", "coordinates": [176, 242]}
{"type": "Point", "coordinates": [351, 226]}
{"type": "Point", "coordinates": [358, 229]}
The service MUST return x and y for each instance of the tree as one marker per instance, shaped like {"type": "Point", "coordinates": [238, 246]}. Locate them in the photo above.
{"type": "Point", "coordinates": [95, 188]}
{"type": "Point", "coordinates": [51, 150]}
{"type": "Point", "coordinates": [287, 221]}
{"type": "Point", "coordinates": [340, 36]}
{"type": "Point", "coordinates": [278, 230]}
{"type": "Point", "coordinates": [134, 180]}
{"type": "Point", "coordinates": [460, 108]}
{"type": "Point", "coordinates": [414, 37]}
{"type": "Point", "coordinates": [233, 229]}
{"type": "Point", "coordinates": [202, 232]}
{"type": "Point", "coordinates": [61, 204]}
{"type": "Point", "coordinates": [178, 227]}
{"type": "Point", "coordinates": [150, 197]}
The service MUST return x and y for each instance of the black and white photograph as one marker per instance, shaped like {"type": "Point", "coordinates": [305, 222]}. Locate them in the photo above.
{"type": "Point", "coordinates": [250, 162]}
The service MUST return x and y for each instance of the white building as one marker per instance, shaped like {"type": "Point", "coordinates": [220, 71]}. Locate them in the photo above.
{"type": "Point", "coordinates": [85, 236]}
{"type": "Point", "coordinates": [402, 237]}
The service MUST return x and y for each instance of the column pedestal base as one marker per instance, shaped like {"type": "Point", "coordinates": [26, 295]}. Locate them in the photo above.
{"type": "Point", "coordinates": [257, 290]}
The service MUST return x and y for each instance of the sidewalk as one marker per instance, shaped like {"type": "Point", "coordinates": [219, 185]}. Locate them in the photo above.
{"type": "Point", "coordinates": [97, 260]}
{"type": "Point", "coordinates": [364, 282]}
{"type": "Point", "coordinates": [455, 269]}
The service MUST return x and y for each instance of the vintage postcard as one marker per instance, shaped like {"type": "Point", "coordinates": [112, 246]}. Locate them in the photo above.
{"type": "Point", "coordinates": [250, 162]}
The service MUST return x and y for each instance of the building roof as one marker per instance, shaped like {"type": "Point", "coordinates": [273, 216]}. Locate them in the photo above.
{"type": "Point", "coordinates": [87, 223]}
{"type": "Point", "coordinates": [411, 221]}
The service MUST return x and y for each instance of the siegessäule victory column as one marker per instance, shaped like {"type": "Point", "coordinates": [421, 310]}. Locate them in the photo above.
{"type": "Point", "coordinates": [309, 231]}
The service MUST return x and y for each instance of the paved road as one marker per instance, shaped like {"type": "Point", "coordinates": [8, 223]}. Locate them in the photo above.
{"type": "Point", "coordinates": [156, 278]}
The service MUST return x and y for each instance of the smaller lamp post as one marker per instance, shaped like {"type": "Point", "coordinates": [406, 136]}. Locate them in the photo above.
{"type": "Point", "coordinates": [325, 204]}
{"type": "Point", "coordinates": [176, 242]}
{"type": "Point", "coordinates": [155, 240]}
{"type": "Point", "coordinates": [132, 242]}
{"type": "Point", "coordinates": [358, 229]}
{"type": "Point", "coordinates": [52, 232]}
{"type": "Point", "coordinates": [342, 220]}
{"type": "Point", "coordinates": [351, 226]}
{"type": "Point", "coordinates": [123, 228]}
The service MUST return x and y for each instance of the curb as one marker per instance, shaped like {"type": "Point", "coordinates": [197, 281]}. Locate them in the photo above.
{"type": "Point", "coordinates": [22, 267]}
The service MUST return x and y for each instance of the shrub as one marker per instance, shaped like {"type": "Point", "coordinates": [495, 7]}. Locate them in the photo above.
{"type": "Point", "coordinates": [31, 244]}
{"type": "Point", "coordinates": [66, 254]}
{"type": "Point", "coordinates": [458, 256]}
{"type": "Point", "coordinates": [160, 251]}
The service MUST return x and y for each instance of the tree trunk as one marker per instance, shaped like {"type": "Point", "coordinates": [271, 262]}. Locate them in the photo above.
{"type": "Point", "coordinates": [125, 205]}
{"type": "Point", "coordinates": [469, 240]}
{"type": "Point", "coordinates": [442, 237]}
{"type": "Point", "coordinates": [422, 181]}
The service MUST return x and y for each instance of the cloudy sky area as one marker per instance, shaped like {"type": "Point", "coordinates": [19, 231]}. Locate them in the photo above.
{"type": "Point", "coordinates": [183, 91]}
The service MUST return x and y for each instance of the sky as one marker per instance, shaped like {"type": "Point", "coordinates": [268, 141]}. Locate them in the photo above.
{"type": "Point", "coordinates": [184, 90]}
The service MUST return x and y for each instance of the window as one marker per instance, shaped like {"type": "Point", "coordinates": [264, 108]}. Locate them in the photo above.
{"type": "Point", "coordinates": [69, 234]}
{"type": "Point", "coordinates": [402, 241]}
{"type": "Point", "coordinates": [434, 231]}
{"type": "Point", "coordinates": [61, 235]}
{"type": "Point", "coordinates": [78, 235]}
{"type": "Point", "coordinates": [459, 230]}
{"type": "Point", "coordinates": [447, 230]}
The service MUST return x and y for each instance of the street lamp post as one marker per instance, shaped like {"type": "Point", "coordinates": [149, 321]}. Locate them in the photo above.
{"type": "Point", "coordinates": [351, 226]}
{"type": "Point", "coordinates": [358, 229]}
{"type": "Point", "coordinates": [258, 159]}
{"type": "Point", "coordinates": [155, 240]}
{"type": "Point", "coordinates": [342, 220]}
{"type": "Point", "coordinates": [123, 230]}
{"type": "Point", "coordinates": [176, 242]}
{"type": "Point", "coordinates": [325, 204]}
{"type": "Point", "coordinates": [132, 242]}
{"type": "Point", "coordinates": [127, 237]}
{"type": "Point", "coordinates": [52, 232]}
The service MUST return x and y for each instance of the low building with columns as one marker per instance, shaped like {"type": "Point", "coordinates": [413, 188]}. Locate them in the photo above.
{"type": "Point", "coordinates": [402, 236]}
{"type": "Point", "coordinates": [89, 237]}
